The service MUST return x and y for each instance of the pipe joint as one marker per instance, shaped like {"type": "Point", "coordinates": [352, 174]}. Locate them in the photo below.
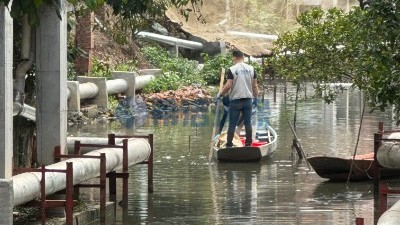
{"type": "Point", "coordinates": [18, 104]}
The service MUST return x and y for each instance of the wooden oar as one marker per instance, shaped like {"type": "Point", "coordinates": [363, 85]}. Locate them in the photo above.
{"type": "Point", "coordinates": [299, 145]}
{"type": "Point", "coordinates": [221, 85]}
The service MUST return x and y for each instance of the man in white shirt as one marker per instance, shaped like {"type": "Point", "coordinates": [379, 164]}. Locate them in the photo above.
{"type": "Point", "coordinates": [243, 93]}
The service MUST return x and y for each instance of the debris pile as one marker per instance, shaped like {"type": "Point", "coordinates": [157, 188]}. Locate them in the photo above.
{"type": "Point", "coordinates": [188, 98]}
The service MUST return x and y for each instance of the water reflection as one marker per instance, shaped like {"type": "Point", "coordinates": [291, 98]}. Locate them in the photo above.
{"type": "Point", "coordinates": [189, 190]}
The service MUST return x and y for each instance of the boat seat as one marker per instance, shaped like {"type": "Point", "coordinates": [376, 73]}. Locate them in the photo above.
{"type": "Point", "coordinates": [255, 143]}
{"type": "Point", "coordinates": [264, 136]}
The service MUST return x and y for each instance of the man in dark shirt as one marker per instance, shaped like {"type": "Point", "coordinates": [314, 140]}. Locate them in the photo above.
{"type": "Point", "coordinates": [242, 87]}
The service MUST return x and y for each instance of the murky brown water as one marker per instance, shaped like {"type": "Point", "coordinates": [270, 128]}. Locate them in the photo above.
{"type": "Point", "coordinates": [189, 190]}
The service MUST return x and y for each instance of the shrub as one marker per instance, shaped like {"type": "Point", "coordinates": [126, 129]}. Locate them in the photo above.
{"type": "Point", "coordinates": [167, 81]}
{"type": "Point", "coordinates": [177, 71]}
{"type": "Point", "coordinates": [212, 67]}
{"type": "Point", "coordinates": [100, 69]}
{"type": "Point", "coordinates": [131, 65]}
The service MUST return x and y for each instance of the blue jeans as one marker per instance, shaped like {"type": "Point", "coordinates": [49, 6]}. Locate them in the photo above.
{"type": "Point", "coordinates": [238, 106]}
{"type": "Point", "coordinates": [222, 122]}
{"type": "Point", "coordinates": [226, 102]}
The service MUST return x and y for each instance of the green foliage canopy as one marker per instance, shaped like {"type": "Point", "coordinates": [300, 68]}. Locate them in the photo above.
{"type": "Point", "coordinates": [126, 8]}
{"type": "Point", "coordinates": [361, 47]}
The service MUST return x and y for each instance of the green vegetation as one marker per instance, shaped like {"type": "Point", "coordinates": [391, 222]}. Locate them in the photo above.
{"type": "Point", "coordinates": [178, 72]}
{"type": "Point", "coordinates": [212, 67]}
{"type": "Point", "coordinates": [130, 10]}
{"type": "Point", "coordinates": [131, 65]}
{"type": "Point", "coordinates": [100, 69]}
{"type": "Point", "coordinates": [360, 47]}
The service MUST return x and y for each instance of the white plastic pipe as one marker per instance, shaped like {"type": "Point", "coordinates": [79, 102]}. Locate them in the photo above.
{"type": "Point", "coordinates": [269, 37]}
{"type": "Point", "coordinates": [27, 57]}
{"type": "Point", "coordinates": [391, 216]}
{"type": "Point", "coordinates": [170, 40]}
{"type": "Point", "coordinates": [141, 81]}
{"type": "Point", "coordinates": [29, 112]}
{"type": "Point", "coordinates": [88, 90]}
{"type": "Point", "coordinates": [116, 86]}
{"type": "Point", "coordinates": [26, 186]}
{"type": "Point", "coordinates": [389, 156]}
{"type": "Point", "coordinates": [389, 153]}
{"type": "Point", "coordinates": [89, 140]}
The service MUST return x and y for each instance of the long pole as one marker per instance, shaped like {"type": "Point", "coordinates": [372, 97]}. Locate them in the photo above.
{"type": "Point", "coordinates": [221, 85]}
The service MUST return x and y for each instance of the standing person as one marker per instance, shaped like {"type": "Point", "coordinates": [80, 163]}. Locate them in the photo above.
{"type": "Point", "coordinates": [243, 93]}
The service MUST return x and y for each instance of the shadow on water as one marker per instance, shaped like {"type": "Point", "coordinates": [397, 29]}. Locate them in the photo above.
{"type": "Point", "coordinates": [190, 190]}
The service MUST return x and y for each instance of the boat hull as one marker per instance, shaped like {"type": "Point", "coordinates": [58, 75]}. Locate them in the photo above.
{"type": "Point", "coordinates": [337, 169]}
{"type": "Point", "coordinates": [248, 153]}
{"type": "Point", "coordinates": [240, 154]}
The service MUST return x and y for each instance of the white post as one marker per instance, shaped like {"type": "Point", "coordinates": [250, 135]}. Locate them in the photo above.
{"type": "Point", "coordinates": [51, 78]}
{"type": "Point", "coordinates": [7, 201]}
{"type": "Point", "coordinates": [6, 93]}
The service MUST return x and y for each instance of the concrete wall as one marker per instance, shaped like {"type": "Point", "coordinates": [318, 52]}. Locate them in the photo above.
{"type": "Point", "coordinates": [84, 40]}
{"type": "Point", "coordinates": [6, 92]}
{"type": "Point", "coordinates": [51, 78]}
{"type": "Point", "coordinates": [7, 203]}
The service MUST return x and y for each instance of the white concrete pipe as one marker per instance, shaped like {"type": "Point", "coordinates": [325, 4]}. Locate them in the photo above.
{"type": "Point", "coordinates": [89, 140]}
{"type": "Point", "coordinates": [88, 90]}
{"type": "Point", "coordinates": [268, 37]}
{"type": "Point", "coordinates": [389, 153]}
{"type": "Point", "coordinates": [29, 112]}
{"type": "Point", "coordinates": [26, 186]}
{"type": "Point", "coordinates": [141, 81]}
{"type": "Point", "coordinates": [116, 86]}
{"type": "Point", "coordinates": [170, 40]}
{"type": "Point", "coordinates": [391, 216]}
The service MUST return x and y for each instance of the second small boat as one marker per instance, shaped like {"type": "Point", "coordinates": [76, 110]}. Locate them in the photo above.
{"type": "Point", "coordinates": [338, 169]}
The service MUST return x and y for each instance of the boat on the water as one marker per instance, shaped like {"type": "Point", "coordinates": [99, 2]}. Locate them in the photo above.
{"type": "Point", "coordinates": [338, 169]}
{"type": "Point", "coordinates": [263, 146]}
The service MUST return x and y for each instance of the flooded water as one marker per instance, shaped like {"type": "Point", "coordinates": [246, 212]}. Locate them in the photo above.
{"type": "Point", "coordinates": [190, 190]}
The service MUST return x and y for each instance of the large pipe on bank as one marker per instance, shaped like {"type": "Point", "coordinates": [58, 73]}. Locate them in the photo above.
{"type": "Point", "coordinates": [268, 37]}
{"type": "Point", "coordinates": [391, 216]}
{"type": "Point", "coordinates": [388, 156]}
{"type": "Point", "coordinates": [88, 90]}
{"type": "Point", "coordinates": [141, 81]}
{"type": "Point", "coordinates": [89, 140]}
{"type": "Point", "coordinates": [170, 40]}
{"type": "Point", "coordinates": [116, 86]}
{"type": "Point", "coordinates": [389, 153]}
{"type": "Point", "coordinates": [26, 186]}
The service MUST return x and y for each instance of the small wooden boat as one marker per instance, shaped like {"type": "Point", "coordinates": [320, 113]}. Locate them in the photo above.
{"type": "Point", "coordinates": [263, 146]}
{"type": "Point", "coordinates": [337, 169]}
